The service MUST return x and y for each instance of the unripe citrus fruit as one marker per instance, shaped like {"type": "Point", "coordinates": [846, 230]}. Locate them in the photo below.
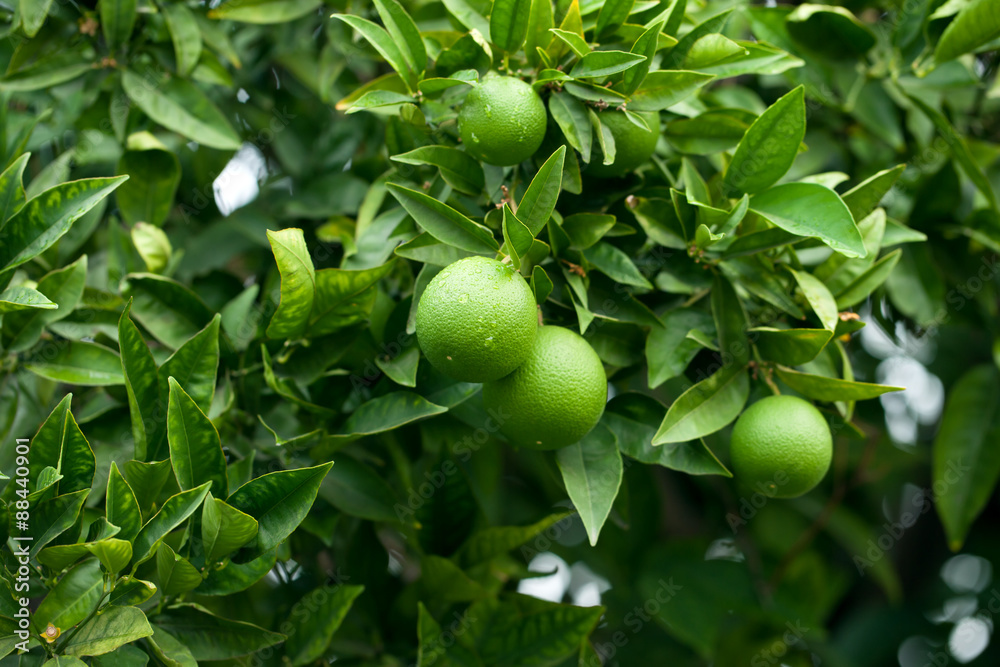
{"type": "Point", "coordinates": [477, 320]}
{"type": "Point", "coordinates": [502, 121]}
{"type": "Point", "coordinates": [781, 446]}
{"type": "Point", "coordinates": [555, 397]}
{"type": "Point", "coordinates": [633, 145]}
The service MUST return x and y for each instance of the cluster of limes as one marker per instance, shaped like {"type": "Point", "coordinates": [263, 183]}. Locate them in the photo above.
{"type": "Point", "coordinates": [477, 322]}
{"type": "Point", "coordinates": [503, 122]}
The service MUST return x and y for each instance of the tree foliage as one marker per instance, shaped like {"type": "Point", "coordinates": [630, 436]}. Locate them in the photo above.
{"type": "Point", "coordinates": [216, 223]}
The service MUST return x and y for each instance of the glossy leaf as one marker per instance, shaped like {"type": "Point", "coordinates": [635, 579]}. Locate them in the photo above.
{"type": "Point", "coordinates": [73, 598]}
{"type": "Point", "coordinates": [224, 529]}
{"type": "Point", "coordinates": [143, 389]}
{"type": "Point", "coordinates": [174, 512]}
{"type": "Point", "coordinates": [194, 365]}
{"type": "Point", "coordinates": [195, 448]}
{"type": "Point", "coordinates": [539, 200]}
{"type": "Point", "coordinates": [976, 24]}
{"type": "Point", "coordinates": [592, 472]}
{"type": "Point", "coordinates": [404, 32]}
{"type": "Point", "coordinates": [812, 210]}
{"type": "Point", "coordinates": [278, 501]}
{"type": "Point", "coordinates": [170, 311]}
{"type": "Point", "coordinates": [185, 35]}
{"type": "Point", "coordinates": [148, 195]}
{"type": "Point", "coordinates": [706, 407]}
{"type": "Point", "coordinates": [181, 106]}
{"type": "Point", "coordinates": [63, 287]}
{"type": "Point", "coordinates": [443, 222]}
{"type": "Point", "coordinates": [113, 627]}
{"type": "Point", "coordinates": [343, 298]}
{"type": "Point", "coordinates": [121, 506]}
{"type": "Point", "coordinates": [176, 575]}
{"type": "Point", "coordinates": [663, 89]}
{"type": "Point", "coordinates": [495, 541]}
{"type": "Point", "coordinates": [966, 465]}
{"type": "Point", "coordinates": [604, 63]}
{"type": "Point", "coordinates": [571, 116]}
{"type": "Point", "coordinates": [264, 11]}
{"type": "Point", "coordinates": [298, 283]}
{"type": "Point", "coordinates": [833, 31]}
{"type": "Point", "coordinates": [458, 168]}
{"type": "Point", "coordinates": [323, 610]}
{"type": "Point", "coordinates": [509, 23]}
{"type": "Point", "coordinates": [822, 388]}
{"type": "Point", "coordinates": [769, 146]}
{"type": "Point", "coordinates": [47, 217]}
{"type": "Point", "coordinates": [212, 637]}
{"type": "Point", "coordinates": [83, 364]}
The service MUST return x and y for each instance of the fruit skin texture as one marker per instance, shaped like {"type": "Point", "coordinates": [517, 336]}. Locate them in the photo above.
{"type": "Point", "coordinates": [477, 320]}
{"type": "Point", "coordinates": [633, 145]}
{"type": "Point", "coordinates": [555, 397]}
{"type": "Point", "coordinates": [502, 121]}
{"type": "Point", "coordinates": [781, 446]}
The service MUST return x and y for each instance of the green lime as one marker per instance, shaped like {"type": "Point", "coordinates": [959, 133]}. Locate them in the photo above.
{"type": "Point", "coordinates": [477, 320]}
{"type": "Point", "coordinates": [781, 446]}
{"type": "Point", "coordinates": [633, 145]}
{"type": "Point", "coordinates": [555, 397]}
{"type": "Point", "coordinates": [502, 121]}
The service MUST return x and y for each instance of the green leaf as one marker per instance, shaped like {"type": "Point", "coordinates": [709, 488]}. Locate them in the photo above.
{"type": "Point", "coordinates": [604, 63]}
{"type": "Point", "coordinates": [60, 445]}
{"type": "Point", "coordinates": [517, 237]}
{"type": "Point", "coordinates": [966, 464]}
{"type": "Point", "coordinates": [175, 510]}
{"type": "Point", "coordinates": [812, 210]}
{"type": "Point", "coordinates": [459, 169]}
{"type": "Point", "coordinates": [149, 193]}
{"type": "Point", "coordinates": [111, 628]}
{"type": "Point", "coordinates": [634, 419]}
{"type": "Point", "coordinates": [195, 365]}
{"type": "Point", "coordinates": [488, 543]}
{"type": "Point", "coordinates": [819, 298]}
{"type": "Point", "coordinates": [354, 488]}
{"type": "Point", "coordinates": [344, 298]}
{"type": "Point", "coordinates": [211, 637]}
{"type": "Point", "coordinates": [646, 45]}
{"type": "Point", "coordinates": [170, 651]}
{"type": "Point", "coordinates": [592, 472]}
{"type": "Point", "coordinates": [426, 249]}
{"type": "Point", "coordinates": [33, 13]}
{"type": "Point", "coordinates": [443, 222]}
{"type": "Point", "coordinates": [121, 506]}
{"type": "Point", "coordinates": [279, 501]}
{"type": "Point", "coordinates": [382, 41]}
{"type": "Point", "coordinates": [706, 407]}
{"type": "Point", "coordinates": [185, 35]}
{"type": "Point", "coordinates": [538, 37]}
{"type": "Point", "coordinates": [539, 200]}
{"type": "Point", "coordinates": [73, 598]}
{"type": "Point", "coordinates": [616, 265]}
{"type": "Point", "coordinates": [663, 89]}
{"type": "Point", "coordinates": [586, 229]}
{"type": "Point", "coordinates": [611, 16]}
{"type": "Point", "coordinates": [866, 195]}
{"type": "Point", "coordinates": [146, 480]}
{"type": "Point", "coordinates": [142, 387]}
{"type": "Point", "coordinates": [51, 518]}
{"type": "Point", "coordinates": [113, 553]}
{"type": "Point", "coordinates": [711, 132]}
{"type": "Point", "coordinates": [152, 245]}
{"type": "Point", "coordinates": [85, 364]}
{"type": "Point", "coordinates": [769, 147]}
{"type": "Point", "coordinates": [678, 54]}
{"type": "Point", "coordinates": [170, 311]}
{"type": "Point", "coordinates": [44, 219]}
{"type": "Point", "coordinates": [668, 349]}
{"type": "Point", "coordinates": [822, 388]}
{"type": "Point", "coordinates": [117, 20]}
{"type": "Point", "coordinates": [323, 610]}
{"type": "Point", "coordinates": [264, 12]}
{"type": "Point", "coordinates": [858, 289]}
{"type": "Point", "coordinates": [977, 24]}
{"type": "Point", "coordinates": [404, 33]}
{"type": "Point", "coordinates": [576, 43]}
{"type": "Point", "coordinates": [509, 23]}
{"type": "Point", "coordinates": [298, 283]}
{"type": "Point", "coordinates": [51, 71]}
{"type": "Point", "coordinates": [12, 196]}
{"type": "Point", "coordinates": [195, 448]}
{"type": "Point", "coordinates": [959, 149]}
{"type": "Point", "coordinates": [572, 118]}
{"type": "Point", "coordinates": [63, 287]}
{"type": "Point", "coordinates": [224, 529]}
{"type": "Point", "coordinates": [730, 322]}
{"type": "Point", "coordinates": [792, 347]}
{"type": "Point", "coordinates": [181, 106]}
{"type": "Point", "coordinates": [14, 299]}
{"type": "Point", "coordinates": [541, 284]}
{"type": "Point", "coordinates": [522, 630]}
{"type": "Point", "coordinates": [176, 574]}
{"type": "Point", "coordinates": [829, 30]}
{"type": "Point", "coordinates": [124, 656]}
{"type": "Point", "coordinates": [441, 579]}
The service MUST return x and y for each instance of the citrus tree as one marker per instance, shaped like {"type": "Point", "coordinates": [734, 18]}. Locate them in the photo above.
{"type": "Point", "coordinates": [523, 332]}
